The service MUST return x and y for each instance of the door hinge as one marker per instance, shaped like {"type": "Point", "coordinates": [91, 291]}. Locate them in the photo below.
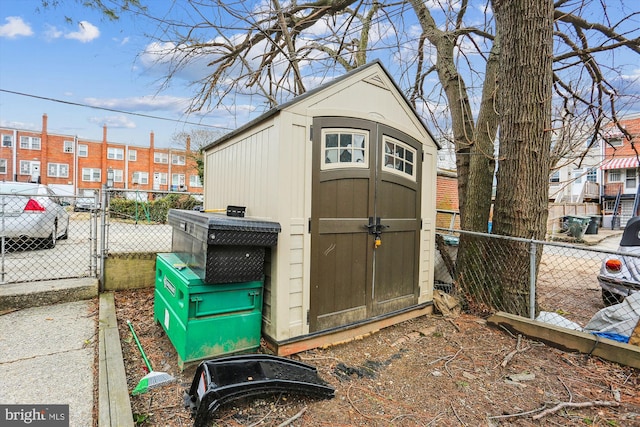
{"type": "Point", "coordinates": [309, 225]}
{"type": "Point", "coordinates": [310, 133]}
{"type": "Point", "coordinates": [422, 156]}
{"type": "Point", "coordinates": [307, 317]}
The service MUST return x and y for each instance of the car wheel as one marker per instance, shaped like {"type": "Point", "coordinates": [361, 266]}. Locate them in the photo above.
{"type": "Point", "coordinates": [50, 242]}
{"type": "Point", "coordinates": [65, 236]}
{"type": "Point", "coordinates": [610, 298]}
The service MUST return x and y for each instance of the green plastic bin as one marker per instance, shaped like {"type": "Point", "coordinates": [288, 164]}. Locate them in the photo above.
{"type": "Point", "coordinates": [577, 225]}
{"type": "Point", "coordinates": [205, 320]}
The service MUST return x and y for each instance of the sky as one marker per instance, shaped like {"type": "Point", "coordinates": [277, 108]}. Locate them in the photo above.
{"type": "Point", "coordinates": [63, 68]}
{"type": "Point", "coordinates": [91, 62]}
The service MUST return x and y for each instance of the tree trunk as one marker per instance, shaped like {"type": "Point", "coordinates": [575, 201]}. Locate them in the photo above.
{"type": "Point", "coordinates": [525, 80]}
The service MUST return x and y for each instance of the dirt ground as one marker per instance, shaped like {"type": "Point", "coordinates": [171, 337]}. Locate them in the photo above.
{"type": "Point", "coordinates": [430, 371]}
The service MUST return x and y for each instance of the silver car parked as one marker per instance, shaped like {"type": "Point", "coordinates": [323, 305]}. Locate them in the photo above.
{"type": "Point", "coordinates": [620, 274]}
{"type": "Point", "coordinates": [31, 212]}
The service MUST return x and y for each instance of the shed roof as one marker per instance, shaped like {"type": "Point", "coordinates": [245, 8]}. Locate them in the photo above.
{"type": "Point", "coordinates": [275, 110]}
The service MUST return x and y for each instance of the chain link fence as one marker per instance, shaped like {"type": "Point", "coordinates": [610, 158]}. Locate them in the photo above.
{"type": "Point", "coordinates": [552, 282]}
{"type": "Point", "coordinates": [44, 236]}
{"type": "Point", "coordinates": [84, 233]}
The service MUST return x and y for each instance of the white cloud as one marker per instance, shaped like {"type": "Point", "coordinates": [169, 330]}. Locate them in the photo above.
{"type": "Point", "coordinates": [120, 121]}
{"type": "Point", "coordinates": [86, 32]}
{"type": "Point", "coordinates": [15, 27]}
{"type": "Point", "coordinates": [51, 32]}
{"type": "Point", "coordinates": [142, 103]}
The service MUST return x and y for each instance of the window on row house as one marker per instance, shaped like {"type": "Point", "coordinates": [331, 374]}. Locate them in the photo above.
{"type": "Point", "coordinates": [7, 140]}
{"type": "Point", "coordinates": [177, 179]}
{"type": "Point", "coordinates": [614, 175]}
{"type": "Point", "coordinates": [115, 153]}
{"type": "Point", "coordinates": [83, 150]}
{"type": "Point", "coordinates": [630, 178]}
{"type": "Point", "coordinates": [592, 175]}
{"type": "Point", "coordinates": [91, 175]}
{"type": "Point", "coordinates": [194, 181]}
{"type": "Point", "coordinates": [141, 178]}
{"type": "Point", "coordinates": [555, 176]}
{"type": "Point", "coordinates": [30, 142]}
{"type": "Point", "coordinates": [68, 146]}
{"type": "Point", "coordinates": [58, 170]}
{"type": "Point", "coordinates": [160, 157]}
{"type": "Point", "coordinates": [615, 142]}
{"type": "Point", "coordinates": [133, 155]}
{"type": "Point", "coordinates": [27, 167]}
{"type": "Point", "coordinates": [177, 159]}
{"type": "Point", "coordinates": [118, 175]}
{"type": "Point", "coordinates": [3, 166]}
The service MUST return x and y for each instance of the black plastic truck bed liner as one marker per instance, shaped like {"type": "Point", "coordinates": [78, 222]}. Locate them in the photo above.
{"type": "Point", "coordinates": [219, 381]}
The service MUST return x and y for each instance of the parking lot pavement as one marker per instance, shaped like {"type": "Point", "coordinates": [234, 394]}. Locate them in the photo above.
{"type": "Point", "coordinates": [47, 357]}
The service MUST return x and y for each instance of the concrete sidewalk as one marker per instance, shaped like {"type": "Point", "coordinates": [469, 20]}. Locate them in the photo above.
{"type": "Point", "coordinates": [47, 352]}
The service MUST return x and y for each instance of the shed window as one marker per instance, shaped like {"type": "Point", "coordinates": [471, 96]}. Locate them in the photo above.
{"type": "Point", "coordinates": [344, 148]}
{"type": "Point", "coordinates": [399, 158]}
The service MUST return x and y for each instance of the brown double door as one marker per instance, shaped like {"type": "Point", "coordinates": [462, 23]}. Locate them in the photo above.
{"type": "Point", "coordinates": [366, 188]}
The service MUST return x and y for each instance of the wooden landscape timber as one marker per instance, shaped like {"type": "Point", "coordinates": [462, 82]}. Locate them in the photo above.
{"type": "Point", "coordinates": [569, 340]}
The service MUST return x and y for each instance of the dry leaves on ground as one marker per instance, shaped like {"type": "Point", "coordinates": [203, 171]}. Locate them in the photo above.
{"type": "Point", "coordinates": [430, 371]}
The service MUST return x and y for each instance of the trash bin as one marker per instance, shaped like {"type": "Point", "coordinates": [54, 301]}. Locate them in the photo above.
{"type": "Point", "coordinates": [594, 223]}
{"type": "Point", "coordinates": [577, 225]}
{"type": "Point", "coordinates": [204, 320]}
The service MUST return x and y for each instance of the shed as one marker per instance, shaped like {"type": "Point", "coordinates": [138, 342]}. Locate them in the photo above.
{"type": "Point", "coordinates": [349, 171]}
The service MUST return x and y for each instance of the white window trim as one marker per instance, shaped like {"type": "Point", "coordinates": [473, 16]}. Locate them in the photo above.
{"type": "Point", "coordinates": [83, 150]}
{"type": "Point", "coordinates": [616, 171]}
{"type": "Point", "coordinates": [31, 142]}
{"type": "Point", "coordinates": [142, 178]}
{"type": "Point", "coordinates": [341, 165]}
{"type": "Point", "coordinates": [93, 176]}
{"type": "Point", "coordinates": [68, 147]}
{"type": "Point", "coordinates": [3, 166]}
{"type": "Point", "coordinates": [133, 155]}
{"type": "Point", "coordinates": [59, 167]}
{"type": "Point", "coordinates": [178, 159]}
{"type": "Point", "coordinates": [9, 138]}
{"type": "Point", "coordinates": [406, 147]}
{"type": "Point", "coordinates": [114, 153]}
{"type": "Point", "coordinates": [162, 158]}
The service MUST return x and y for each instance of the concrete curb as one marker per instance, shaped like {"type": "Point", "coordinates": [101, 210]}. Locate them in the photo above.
{"type": "Point", "coordinates": [17, 296]}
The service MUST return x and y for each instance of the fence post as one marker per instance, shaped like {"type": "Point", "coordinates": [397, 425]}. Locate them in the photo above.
{"type": "Point", "coordinates": [532, 280]}
{"type": "Point", "coordinates": [103, 235]}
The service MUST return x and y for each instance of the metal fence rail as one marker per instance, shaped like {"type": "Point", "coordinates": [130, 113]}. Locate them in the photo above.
{"type": "Point", "coordinates": [545, 280]}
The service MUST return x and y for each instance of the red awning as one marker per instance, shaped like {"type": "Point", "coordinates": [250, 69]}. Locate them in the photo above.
{"type": "Point", "coordinates": [621, 163]}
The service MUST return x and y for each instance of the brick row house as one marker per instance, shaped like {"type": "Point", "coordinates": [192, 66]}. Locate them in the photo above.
{"type": "Point", "coordinates": [75, 166]}
{"type": "Point", "coordinates": [620, 168]}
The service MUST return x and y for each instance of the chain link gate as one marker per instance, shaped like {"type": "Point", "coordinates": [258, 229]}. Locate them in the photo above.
{"type": "Point", "coordinates": [70, 254]}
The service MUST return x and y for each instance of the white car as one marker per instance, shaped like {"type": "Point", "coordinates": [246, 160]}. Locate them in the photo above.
{"type": "Point", "coordinates": [31, 212]}
{"type": "Point", "coordinates": [620, 275]}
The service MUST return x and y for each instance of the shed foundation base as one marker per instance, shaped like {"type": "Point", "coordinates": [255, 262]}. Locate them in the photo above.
{"type": "Point", "coordinates": [345, 333]}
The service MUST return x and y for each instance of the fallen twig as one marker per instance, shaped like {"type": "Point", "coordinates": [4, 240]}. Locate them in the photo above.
{"type": "Point", "coordinates": [509, 356]}
{"type": "Point", "coordinates": [295, 417]}
{"type": "Point", "coordinates": [456, 414]}
{"type": "Point", "coordinates": [573, 405]}
{"type": "Point", "coordinates": [450, 359]}
{"type": "Point", "coordinates": [454, 324]}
